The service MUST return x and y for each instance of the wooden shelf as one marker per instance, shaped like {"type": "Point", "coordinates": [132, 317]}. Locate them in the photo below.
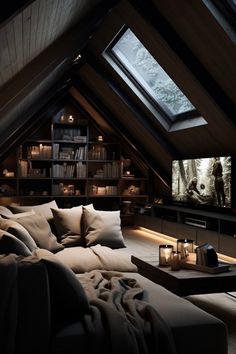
{"type": "Point", "coordinates": [61, 137]}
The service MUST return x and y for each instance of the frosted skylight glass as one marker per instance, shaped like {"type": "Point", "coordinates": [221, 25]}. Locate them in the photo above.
{"type": "Point", "coordinates": [150, 75]}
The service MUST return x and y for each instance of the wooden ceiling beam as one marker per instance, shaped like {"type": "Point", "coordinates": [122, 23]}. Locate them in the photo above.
{"type": "Point", "coordinates": [141, 117]}
{"type": "Point", "coordinates": [151, 14]}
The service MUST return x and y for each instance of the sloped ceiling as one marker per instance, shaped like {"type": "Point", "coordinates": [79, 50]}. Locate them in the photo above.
{"type": "Point", "coordinates": [40, 43]}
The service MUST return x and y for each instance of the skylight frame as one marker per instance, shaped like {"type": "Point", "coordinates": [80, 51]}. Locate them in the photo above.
{"type": "Point", "coordinates": [225, 14]}
{"type": "Point", "coordinates": [157, 108]}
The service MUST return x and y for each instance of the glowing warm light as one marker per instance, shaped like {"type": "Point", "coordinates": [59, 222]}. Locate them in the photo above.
{"type": "Point", "coordinates": [162, 238]}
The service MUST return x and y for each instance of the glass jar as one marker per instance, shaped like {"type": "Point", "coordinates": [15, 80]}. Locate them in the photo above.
{"type": "Point", "coordinates": [164, 254]}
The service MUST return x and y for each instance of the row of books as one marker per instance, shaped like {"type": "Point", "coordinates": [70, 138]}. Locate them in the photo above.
{"type": "Point", "coordinates": [69, 153]}
{"type": "Point", "coordinates": [97, 152]}
{"type": "Point", "coordinates": [78, 170]}
{"type": "Point", "coordinates": [108, 170]}
{"type": "Point", "coordinates": [81, 170]}
{"type": "Point", "coordinates": [63, 170]}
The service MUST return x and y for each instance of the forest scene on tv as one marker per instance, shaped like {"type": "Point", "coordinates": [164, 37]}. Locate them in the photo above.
{"type": "Point", "coordinates": [203, 181]}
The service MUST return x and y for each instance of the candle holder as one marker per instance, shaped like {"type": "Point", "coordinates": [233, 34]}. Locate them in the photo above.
{"type": "Point", "coordinates": [164, 255]}
{"type": "Point", "coordinates": [184, 246]}
{"type": "Point", "coordinates": [175, 259]}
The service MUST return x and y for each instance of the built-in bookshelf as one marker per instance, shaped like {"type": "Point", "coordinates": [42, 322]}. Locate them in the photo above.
{"type": "Point", "coordinates": [70, 160]}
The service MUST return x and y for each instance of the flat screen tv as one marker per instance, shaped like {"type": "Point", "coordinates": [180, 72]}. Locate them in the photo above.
{"type": "Point", "coordinates": [202, 182]}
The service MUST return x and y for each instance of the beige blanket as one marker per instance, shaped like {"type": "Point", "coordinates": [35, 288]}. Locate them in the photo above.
{"type": "Point", "coordinates": [85, 259]}
{"type": "Point", "coordinates": [120, 322]}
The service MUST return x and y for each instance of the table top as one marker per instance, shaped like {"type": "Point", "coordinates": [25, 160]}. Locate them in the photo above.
{"type": "Point", "coordinates": [185, 281]}
{"type": "Point", "coordinates": [152, 260]}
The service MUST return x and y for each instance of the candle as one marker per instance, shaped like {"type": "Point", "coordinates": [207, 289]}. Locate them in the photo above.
{"type": "Point", "coordinates": [185, 247]}
{"type": "Point", "coordinates": [164, 254]}
{"type": "Point", "coordinates": [175, 260]}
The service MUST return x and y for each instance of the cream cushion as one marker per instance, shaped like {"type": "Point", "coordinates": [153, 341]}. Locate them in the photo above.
{"type": "Point", "coordinates": [39, 229]}
{"type": "Point", "coordinates": [41, 209]}
{"type": "Point", "coordinates": [102, 227]}
{"type": "Point", "coordinates": [4, 210]}
{"type": "Point", "coordinates": [16, 229]}
{"type": "Point", "coordinates": [68, 225]}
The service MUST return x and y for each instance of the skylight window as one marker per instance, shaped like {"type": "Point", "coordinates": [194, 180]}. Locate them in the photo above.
{"type": "Point", "coordinates": [151, 83]}
{"type": "Point", "coordinates": [150, 75]}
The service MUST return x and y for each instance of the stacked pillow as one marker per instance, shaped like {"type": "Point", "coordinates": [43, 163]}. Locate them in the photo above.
{"type": "Point", "coordinates": [77, 226]}
{"type": "Point", "coordinates": [69, 226]}
{"type": "Point", "coordinates": [103, 227]}
{"type": "Point", "coordinates": [30, 227]}
{"type": "Point", "coordinates": [11, 244]}
{"type": "Point", "coordinates": [85, 226]}
{"type": "Point", "coordinates": [41, 209]}
{"type": "Point", "coordinates": [15, 228]}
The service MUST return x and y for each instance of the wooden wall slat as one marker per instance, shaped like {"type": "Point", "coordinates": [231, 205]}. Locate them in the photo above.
{"type": "Point", "coordinates": [26, 17]}
{"type": "Point", "coordinates": [41, 18]}
{"type": "Point", "coordinates": [34, 28]}
{"type": "Point", "coordinates": [19, 39]}
{"type": "Point", "coordinates": [31, 31]}
{"type": "Point", "coordinates": [51, 21]}
{"type": "Point", "coordinates": [54, 20]}
{"type": "Point", "coordinates": [12, 47]}
{"type": "Point", "coordinates": [4, 57]}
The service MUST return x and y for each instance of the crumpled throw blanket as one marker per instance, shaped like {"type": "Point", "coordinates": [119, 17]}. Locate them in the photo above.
{"type": "Point", "coordinates": [120, 321]}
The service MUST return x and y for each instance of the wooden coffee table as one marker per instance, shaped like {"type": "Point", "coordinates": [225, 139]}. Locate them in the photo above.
{"type": "Point", "coordinates": [186, 282]}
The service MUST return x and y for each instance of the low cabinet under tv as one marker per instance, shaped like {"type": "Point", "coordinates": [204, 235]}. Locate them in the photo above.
{"type": "Point", "coordinates": [202, 226]}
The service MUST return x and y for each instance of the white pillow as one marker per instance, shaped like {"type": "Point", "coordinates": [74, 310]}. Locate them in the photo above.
{"type": "Point", "coordinates": [102, 227]}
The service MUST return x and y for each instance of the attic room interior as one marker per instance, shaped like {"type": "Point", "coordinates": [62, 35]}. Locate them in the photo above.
{"type": "Point", "coordinates": [117, 161]}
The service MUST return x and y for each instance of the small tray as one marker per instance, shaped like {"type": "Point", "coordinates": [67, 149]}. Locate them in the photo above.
{"type": "Point", "coordinates": [222, 267]}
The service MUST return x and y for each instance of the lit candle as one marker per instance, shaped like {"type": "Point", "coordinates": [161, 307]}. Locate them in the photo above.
{"type": "Point", "coordinates": [164, 254]}
{"type": "Point", "coordinates": [175, 260]}
{"type": "Point", "coordinates": [185, 247]}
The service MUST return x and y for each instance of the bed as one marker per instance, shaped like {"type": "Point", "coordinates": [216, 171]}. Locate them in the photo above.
{"type": "Point", "coordinates": [94, 299]}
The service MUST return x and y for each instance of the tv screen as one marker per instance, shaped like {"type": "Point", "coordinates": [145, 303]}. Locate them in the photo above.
{"type": "Point", "coordinates": [202, 181]}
